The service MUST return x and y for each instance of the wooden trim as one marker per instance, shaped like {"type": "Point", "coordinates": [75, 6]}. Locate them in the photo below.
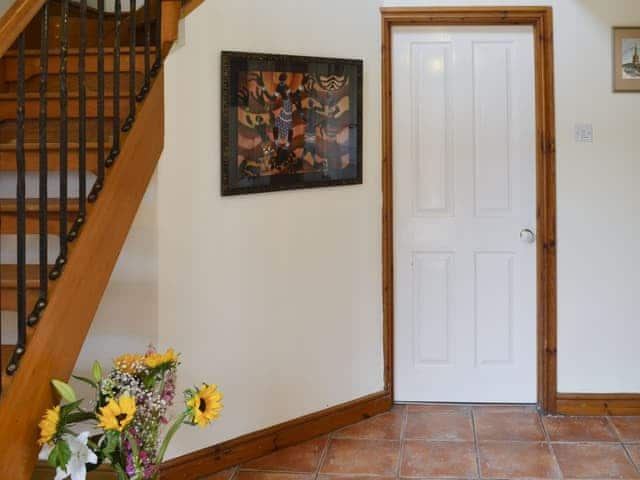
{"type": "Point", "coordinates": [44, 471]}
{"type": "Point", "coordinates": [541, 18]}
{"type": "Point", "coordinates": [387, 203]}
{"type": "Point", "coordinates": [189, 6]}
{"type": "Point", "coordinates": [598, 403]}
{"type": "Point", "coordinates": [15, 20]}
{"type": "Point", "coordinates": [170, 20]}
{"type": "Point", "coordinates": [75, 297]}
{"type": "Point", "coordinates": [254, 445]}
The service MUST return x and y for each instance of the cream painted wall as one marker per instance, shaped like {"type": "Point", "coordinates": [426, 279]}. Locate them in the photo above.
{"type": "Point", "coordinates": [598, 199]}
{"type": "Point", "coordinates": [276, 297]}
{"type": "Point", "coordinates": [4, 4]}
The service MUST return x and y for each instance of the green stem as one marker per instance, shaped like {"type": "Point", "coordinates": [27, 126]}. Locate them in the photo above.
{"type": "Point", "coordinates": [120, 471]}
{"type": "Point", "coordinates": [136, 453]}
{"type": "Point", "coordinates": [167, 439]}
{"type": "Point", "coordinates": [123, 456]}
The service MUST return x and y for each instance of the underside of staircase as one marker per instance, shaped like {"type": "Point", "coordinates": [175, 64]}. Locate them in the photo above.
{"type": "Point", "coordinates": [64, 113]}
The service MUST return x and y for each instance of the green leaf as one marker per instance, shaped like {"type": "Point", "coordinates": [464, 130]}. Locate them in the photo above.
{"type": "Point", "coordinates": [111, 443]}
{"type": "Point", "coordinates": [60, 455]}
{"type": "Point", "coordinates": [80, 417]}
{"type": "Point", "coordinates": [64, 390]}
{"type": "Point", "coordinates": [68, 408]}
{"type": "Point", "coordinates": [97, 371]}
{"type": "Point", "coordinates": [88, 381]}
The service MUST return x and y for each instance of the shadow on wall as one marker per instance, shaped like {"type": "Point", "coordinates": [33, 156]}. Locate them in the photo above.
{"type": "Point", "coordinates": [127, 318]}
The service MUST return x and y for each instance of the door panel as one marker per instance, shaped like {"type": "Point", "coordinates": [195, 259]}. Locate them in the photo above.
{"type": "Point", "coordinates": [491, 135]}
{"type": "Point", "coordinates": [464, 188]}
{"type": "Point", "coordinates": [494, 308]}
{"type": "Point", "coordinates": [432, 309]}
{"type": "Point", "coordinates": [431, 111]}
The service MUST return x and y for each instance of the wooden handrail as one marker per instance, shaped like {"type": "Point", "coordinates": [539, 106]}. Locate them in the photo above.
{"type": "Point", "coordinates": [15, 20]}
{"type": "Point", "coordinates": [189, 6]}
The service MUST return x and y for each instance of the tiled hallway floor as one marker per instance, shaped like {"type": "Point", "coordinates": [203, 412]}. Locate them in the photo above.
{"type": "Point", "coordinates": [439, 441]}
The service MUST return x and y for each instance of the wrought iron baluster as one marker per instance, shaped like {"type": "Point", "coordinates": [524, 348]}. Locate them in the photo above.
{"type": "Point", "coordinates": [43, 167]}
{"type": "Point", "coordinates": [147, 51]}
{"type": "Point", "coordinates": [128, 123]}
{"type": "Point", "coordinates": [21, 272]}
{"type": "Point", "coordinates": [97, 186]}
{"type": "Point", "coordinates": [64, 128]}
{"type": "Point", "coordinates": [158, 39]}
{"type": "Point", "coordinates": [82, 125]}
{"type": "Point", "coordinates": [115, 149]}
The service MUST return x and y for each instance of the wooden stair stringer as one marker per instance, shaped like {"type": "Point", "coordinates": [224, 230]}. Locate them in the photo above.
{"type": "Point", "coordinates": [74, 298]}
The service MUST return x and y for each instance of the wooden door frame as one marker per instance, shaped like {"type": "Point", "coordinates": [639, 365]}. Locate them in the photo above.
{"type": "Point", "coordinates": [541, 19]}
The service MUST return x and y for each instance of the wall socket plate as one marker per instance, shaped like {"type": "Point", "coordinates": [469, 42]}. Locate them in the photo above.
{"type": "Point", "coordinates": [584, 133]}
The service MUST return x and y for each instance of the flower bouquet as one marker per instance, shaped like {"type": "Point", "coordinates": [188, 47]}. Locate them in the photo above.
{"type": "Point", "coordinates": [123, 426]}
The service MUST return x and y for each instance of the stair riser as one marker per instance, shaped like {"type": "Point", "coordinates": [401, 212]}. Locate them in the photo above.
{"type": "Point", "coordinates": [9, 223]}
{"type": "Point", "coordinates": [73, 31]}
{"type": "Point", "coordinates": [32, 160]}
{"type": "Point", "coordinates": [32, 108]}
{"type": "Point", "coordinates": [9, 300]}
{"type": "Point", "coordinates": [32, 65]}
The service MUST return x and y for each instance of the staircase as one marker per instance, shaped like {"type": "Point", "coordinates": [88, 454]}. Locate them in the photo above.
{"type": "Point", "coordinates": [81, 131]}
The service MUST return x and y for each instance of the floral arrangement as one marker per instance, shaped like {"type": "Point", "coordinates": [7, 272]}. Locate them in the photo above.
{"type": "Point", "coordinates": [124, 424]}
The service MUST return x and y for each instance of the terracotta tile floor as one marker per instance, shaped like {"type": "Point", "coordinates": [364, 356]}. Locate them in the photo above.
{"type": "Point", "coordinates": [459, 442]}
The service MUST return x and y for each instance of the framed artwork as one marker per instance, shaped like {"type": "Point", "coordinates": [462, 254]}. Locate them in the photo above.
{"type": "Point", "coordinates": [626, 55]}
{"type": "Point", "coordinates": [290, 122]}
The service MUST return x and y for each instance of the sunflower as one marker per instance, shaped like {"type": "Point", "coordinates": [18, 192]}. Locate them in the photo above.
{"type": "Point", "coordinates": [117, 414]}
{"type": "Point", "coordinates": [155, 359]}
{"type": "Point", "coordinates": [205, 405]}
{"type": "Point", "coordinates": [49, 425]}
{"type": "Point", "coordinates": [129, 362]}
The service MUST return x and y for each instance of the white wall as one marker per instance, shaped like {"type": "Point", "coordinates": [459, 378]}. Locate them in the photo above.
{"type": "Point", "coordinates": [598, 201]}
{"type": "Point", "coordinates": [598, 219]}
{"type": "Point", "coordinates": [276, 297]}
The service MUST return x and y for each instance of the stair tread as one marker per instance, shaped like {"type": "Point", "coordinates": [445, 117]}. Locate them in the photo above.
{"type": "Point", "coordinates": [31, 132]}
{"type": "Point", "coordinates": [9, 205]}
{"type": "Point", "coordinates": [9, 275]}
{"type": "Point", "coordinates": [32, 86]}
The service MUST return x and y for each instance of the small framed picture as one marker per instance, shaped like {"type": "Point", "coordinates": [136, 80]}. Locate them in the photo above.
{"type": "Point", "coordinates": [290, 122]}
{"type": "Point", "coordinates": [626, 59]}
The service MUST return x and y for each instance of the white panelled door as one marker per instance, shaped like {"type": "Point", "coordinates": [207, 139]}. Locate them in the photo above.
{"type": "Point", "coordinates": [464, 206]}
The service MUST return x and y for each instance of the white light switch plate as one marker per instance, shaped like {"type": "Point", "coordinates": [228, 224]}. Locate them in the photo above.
{"type": "Point", "coordinates": [584, 133]}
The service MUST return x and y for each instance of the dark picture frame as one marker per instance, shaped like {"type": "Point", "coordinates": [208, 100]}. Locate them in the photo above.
{"type": "Point", "coordinates": [290, 122]}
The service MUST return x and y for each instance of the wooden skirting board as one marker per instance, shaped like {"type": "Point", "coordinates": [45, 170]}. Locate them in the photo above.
{"type": "Point", "coordinates": [44, 471]}
{"type": "Point", "coordinates": [254, 445]}
{"type": "Point", "coordinates": [598, 404]}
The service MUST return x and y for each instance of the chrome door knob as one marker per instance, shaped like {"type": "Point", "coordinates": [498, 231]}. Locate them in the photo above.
{"type": "Point", "coordinates": [527, 236]}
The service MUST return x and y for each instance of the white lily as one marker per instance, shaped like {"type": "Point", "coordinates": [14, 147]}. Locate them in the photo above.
{"type": "Point", "coordinates": [81, 454]}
